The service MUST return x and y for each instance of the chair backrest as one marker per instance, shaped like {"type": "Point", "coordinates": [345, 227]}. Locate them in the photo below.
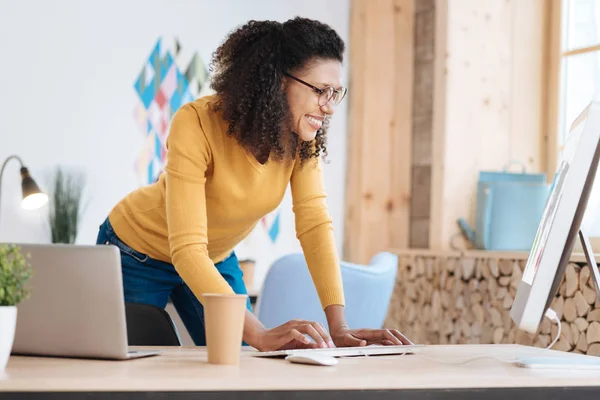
{"type": "Point", "coordinates": [148, 325]}
{"type": "Point", "coordinates": [288, 292]}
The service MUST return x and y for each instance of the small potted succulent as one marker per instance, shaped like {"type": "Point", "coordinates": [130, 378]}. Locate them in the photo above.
{"type": "Point", "coordinates": [15, 272]}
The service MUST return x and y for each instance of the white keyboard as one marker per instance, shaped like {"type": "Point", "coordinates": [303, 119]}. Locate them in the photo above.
{"type": "Point", "coordinates": [373, 350]}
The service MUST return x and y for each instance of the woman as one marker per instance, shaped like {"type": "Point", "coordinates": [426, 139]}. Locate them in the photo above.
{"type": "Point", "coordinates": [230, 158]}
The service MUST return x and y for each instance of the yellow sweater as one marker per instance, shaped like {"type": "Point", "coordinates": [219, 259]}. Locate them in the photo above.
{"type": "Point", "coordinates": [212, 194]}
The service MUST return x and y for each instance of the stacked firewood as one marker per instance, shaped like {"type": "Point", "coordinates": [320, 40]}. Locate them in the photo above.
{"type": "Point", "coordinates": [458, 300]}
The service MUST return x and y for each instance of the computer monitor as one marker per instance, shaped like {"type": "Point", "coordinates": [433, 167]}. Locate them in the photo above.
{"type": "Point", "coordinates": [560, 224]}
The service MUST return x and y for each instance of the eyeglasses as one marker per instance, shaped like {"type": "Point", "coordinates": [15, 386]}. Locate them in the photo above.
{"type": "Point", "coordinates": [325, 95]}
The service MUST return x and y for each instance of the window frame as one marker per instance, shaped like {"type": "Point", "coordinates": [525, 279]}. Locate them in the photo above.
{"type": "Point", "coordinates": [554, 56]}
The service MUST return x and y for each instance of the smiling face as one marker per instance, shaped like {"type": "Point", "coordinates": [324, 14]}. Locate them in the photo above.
{"type": "Point", "coordinates": [307, 115]}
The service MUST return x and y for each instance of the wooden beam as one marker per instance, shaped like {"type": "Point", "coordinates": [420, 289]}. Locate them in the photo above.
{"type": "Point", "coordinates": [551, 85]}
{"type": "Point", "coordinates": [436, 215]}
{"type": "Point", "coordinates": [378, 182]}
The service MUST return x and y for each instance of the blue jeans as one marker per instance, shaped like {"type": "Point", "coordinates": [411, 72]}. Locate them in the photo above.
{"type": "Point", "coordinates": [150, 281]}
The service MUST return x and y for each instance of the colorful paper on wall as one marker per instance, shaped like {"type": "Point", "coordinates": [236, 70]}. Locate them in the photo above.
{"type": "Point", "coordinates": [167, 80]}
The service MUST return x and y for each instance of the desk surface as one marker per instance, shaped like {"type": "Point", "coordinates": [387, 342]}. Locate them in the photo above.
{"type": "Point", "coordinates": [184, 370]}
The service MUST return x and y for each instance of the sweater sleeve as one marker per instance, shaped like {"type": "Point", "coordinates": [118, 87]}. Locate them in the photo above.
{"type": "Point", "coordinates": [315, 231]}
{"type": "Point", "coordinates": [187, 160]}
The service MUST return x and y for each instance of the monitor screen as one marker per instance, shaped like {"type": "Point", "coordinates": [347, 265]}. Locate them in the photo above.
{"type": "Point", "coordinates": [554, 197]}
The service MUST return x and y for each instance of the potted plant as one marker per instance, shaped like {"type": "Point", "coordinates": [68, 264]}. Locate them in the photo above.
{"type": "Point", "coordinates": [15, 272]}
{"type": "Point", "coordinates": [66, 192]}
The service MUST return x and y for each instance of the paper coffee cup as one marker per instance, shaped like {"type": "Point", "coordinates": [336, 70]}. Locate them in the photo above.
{"type": "Point", "coordinates": [224, 326]}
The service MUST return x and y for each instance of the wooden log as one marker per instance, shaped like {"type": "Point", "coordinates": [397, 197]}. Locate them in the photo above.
{"type": "Point", "coordinates": [477, 329]}
{"type": "Point", "coordinates": [511, 337]}
{"type": "Point", "coordinates": [450, 264]}
{"type": "Point", "coordinates": [589, 294]}
{"type": "Point", "coordinates": [504, 280]}
{"type": "Point", "coordinates": [593, 349]}
{"type": "Point", "coordinates": [507, 321]}
{"type": "Point", "coordinates": [508, 301]}
{"type": "Point", "coordinates": [506, 267]}
{"type": "Point", "coordinates": [488, 334]}
{"type": "Point", "coordinates": [546, 326]}
{"type": "Point", "coordinates": [478, 313]}
{"type": "Point", "coordinates": [446, 298]}
{"type": "Point", "coordinates": [592, 334]}
{"type": "Point", "coordinates": [411, 291]}
{"type": "Point", "coordinates": [449, 283]}
{"type": "Point", "coordinates": [447, 327]}
{"type": "Point", "coordinates": [493, 267]}
{"type": "Point", "coordinates": [459, 303]}
{"type": "Point", "coordinates": [562, 289]}
{"type": "Point", "coordinates": [567, 334]}
{"type": "Point", "coordinates": [495, 317]}
{"type": "Point", "coordinates": [436, 305]}
{"type": "Point", "coordinates": [524, 338]}
{"type": "Point", "coordinates": [542, 341]}
{"type": "Point", "coordinates": [574, 333]}
{"type": "Point", "coordinates": [476, 298]}
{"type": "Point", "coordinates": [484, 286]}
{"type": "Point", "coordinates": [465, 328]}
{"type": "Point", "coordinates": [517, 274]}
{"type": "Point", "coordinates": [479, 266]}
{"type": "Point", "coordinates": [582, 305]}
{"type": "Point", "coordinates": [473, 284]}
{"type": "Point", "coordinates": [412, 270]}
{"type": "Point", "coordinates": [572, 280]}
{"type": "Point", "coordinates": [582, 324]}
{"type": "Point", "coordinates": [563, 345]}
{"type": "Point", "coordinates": [468, 316]}
{"type": "Point", "coordinates": [444, 339]}
{"type": "Point", "coordinates": [458, 288]}
{"type": "Point", "coordinates": [468, 268]}
{"type": "Point", "coordinates": [558, 305]}
{"type": "Point", "coordinates": [443, 278]}
{"type": "Point", "coordinates": [458, 271]}
{"type": "Point", "coordinates": [570, 310]}
{"type": "Point", "coordinates": [582, 344]}
{"type": "Point", "coordinates": [584, 277]}
{"type": "Point", "coordinates": [411, 314]}
{"type": "Point", "coordinates": [498, 335]}
{"type": "Point", "coordinates": [501, 294]}
{"type": "Point", "coordinates": [420, 262]}
{"type": "Point", "coordinates": [594, 315]}
{"type": "Point", "coordinates": [429, 268]}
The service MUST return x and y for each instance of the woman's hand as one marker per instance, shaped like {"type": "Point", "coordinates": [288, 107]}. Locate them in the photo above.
{"type": "Point", "coordinates": [345, 337]}
{"type": "Point", "coordinates": [291, 335]}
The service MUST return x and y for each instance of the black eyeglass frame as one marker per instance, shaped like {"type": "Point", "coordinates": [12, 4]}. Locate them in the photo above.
{"type": "Point", "coordinates": [320, 91]}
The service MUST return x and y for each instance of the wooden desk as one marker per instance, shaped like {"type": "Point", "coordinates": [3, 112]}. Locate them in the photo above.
{"type": "Point", "coordinates": [183, 373]}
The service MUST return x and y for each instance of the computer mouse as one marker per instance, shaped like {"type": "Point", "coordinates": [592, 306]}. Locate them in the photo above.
{"type": "Point", "coordinates": [312, 359]}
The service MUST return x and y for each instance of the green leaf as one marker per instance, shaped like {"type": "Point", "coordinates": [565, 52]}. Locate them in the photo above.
{"type": "Point", "coordinates": [15, 272]}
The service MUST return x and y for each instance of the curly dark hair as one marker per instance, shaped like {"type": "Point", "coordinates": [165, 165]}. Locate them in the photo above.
{"type": "Point", "coordinates": [247, 75]}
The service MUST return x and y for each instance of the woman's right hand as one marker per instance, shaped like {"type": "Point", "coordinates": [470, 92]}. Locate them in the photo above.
{"type": "Point", "coordinates": [291, 335]}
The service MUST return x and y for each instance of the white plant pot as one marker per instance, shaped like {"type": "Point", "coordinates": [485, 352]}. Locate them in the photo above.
{"type": "Point", "coordinates": [8, 322]}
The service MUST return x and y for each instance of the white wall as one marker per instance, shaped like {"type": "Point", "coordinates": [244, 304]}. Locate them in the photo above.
{"type": "Point", "coordinates": [67, 97]}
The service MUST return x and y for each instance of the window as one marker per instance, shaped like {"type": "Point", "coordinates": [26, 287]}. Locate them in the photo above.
{"type": "Point", "coordinates": [578, 44]}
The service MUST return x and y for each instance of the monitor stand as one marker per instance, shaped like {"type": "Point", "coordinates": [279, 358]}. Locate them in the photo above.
{"type": "Point", "coordinates": [580, 361]}
{"type": "Point", "coordinates": [591, 261]}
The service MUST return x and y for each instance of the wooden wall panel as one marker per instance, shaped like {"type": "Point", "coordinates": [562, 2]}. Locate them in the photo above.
{"type": "Point", "coordinates": [378, 179]}
{"type": "Point", "coordinates": [490, 81]}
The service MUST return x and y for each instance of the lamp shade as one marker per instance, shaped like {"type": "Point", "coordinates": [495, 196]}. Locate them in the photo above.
{"type": "Point", "coordinates": [32, 195]}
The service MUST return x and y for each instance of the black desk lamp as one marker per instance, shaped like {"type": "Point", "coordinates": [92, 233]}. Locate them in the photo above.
{"type": "Point", "coordinates": [32, 195]}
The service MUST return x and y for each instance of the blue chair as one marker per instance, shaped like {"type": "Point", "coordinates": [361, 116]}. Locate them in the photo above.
{"type": "Point", "coordinates": [288, 292]}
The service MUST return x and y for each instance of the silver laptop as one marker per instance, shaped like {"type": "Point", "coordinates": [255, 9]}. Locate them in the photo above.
{"type": "Point", "coordinates": [76, 306]}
